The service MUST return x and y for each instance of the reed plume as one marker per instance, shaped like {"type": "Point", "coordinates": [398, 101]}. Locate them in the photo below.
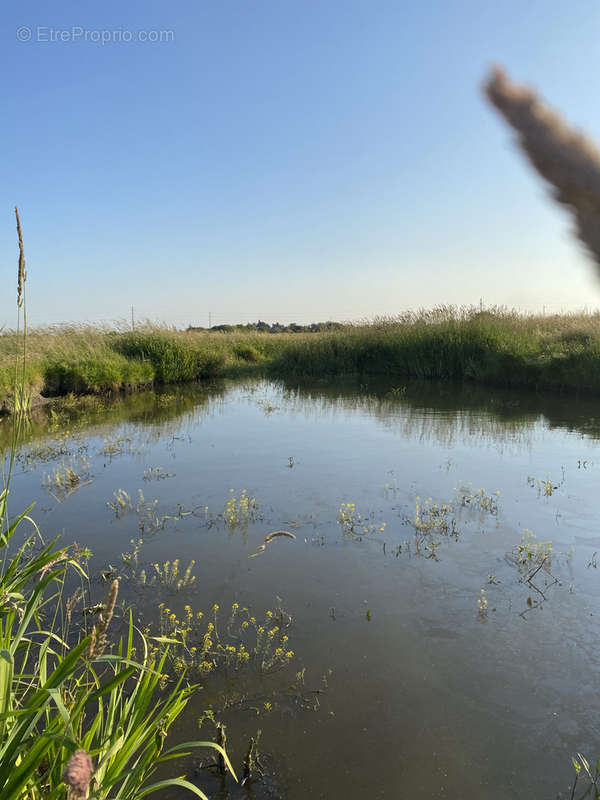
{"type": "Point", "coordinates": [98, 640]}
{"type": "Point", "coordinates": [561, 155]}
{"type": "Point", "coordinates": [22, 270]}
{"type": "Point", "coordinates": [77, 775]}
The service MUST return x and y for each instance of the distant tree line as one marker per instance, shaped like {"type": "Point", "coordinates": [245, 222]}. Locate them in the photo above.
{"type": "Point", "coordinates": [276, 327]}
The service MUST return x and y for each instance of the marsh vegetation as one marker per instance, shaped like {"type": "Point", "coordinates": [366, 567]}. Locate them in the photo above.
{"type": "Point", "coordinates": [495, 347]}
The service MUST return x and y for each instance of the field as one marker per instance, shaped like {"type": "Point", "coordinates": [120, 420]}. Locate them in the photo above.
{"type": "Point", "coordinates": [495, 347]}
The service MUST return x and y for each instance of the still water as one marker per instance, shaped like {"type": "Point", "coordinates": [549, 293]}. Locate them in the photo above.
{"type": "Point", "coordinates": [416, 685]}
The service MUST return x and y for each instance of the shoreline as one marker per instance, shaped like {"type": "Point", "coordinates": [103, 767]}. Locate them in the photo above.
{"type": "Point", "coordinates": [491, 348]}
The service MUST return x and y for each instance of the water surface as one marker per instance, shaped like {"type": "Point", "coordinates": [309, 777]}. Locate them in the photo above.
{"type": "Point", "coordinates": [418, 693]}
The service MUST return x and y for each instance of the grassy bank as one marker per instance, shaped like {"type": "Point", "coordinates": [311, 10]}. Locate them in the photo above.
{"type": "Point", "coordinates": [492, 347]}
{"type": "Point", "coordinates": [87, 360]}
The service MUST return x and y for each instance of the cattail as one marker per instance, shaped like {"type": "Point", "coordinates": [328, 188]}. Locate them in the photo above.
{"type": "Point", "coordinates": [562, 156]}
{"type": "Point", "coordinates": [22, 271]}
{"type": "Point", "coordinates": [77, 775]}
{"type": "Point", "coordinates": [98, 640]}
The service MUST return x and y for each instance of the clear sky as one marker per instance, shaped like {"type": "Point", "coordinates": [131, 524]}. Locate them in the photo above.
{"type": "Point", "coordinates": [284, 160]}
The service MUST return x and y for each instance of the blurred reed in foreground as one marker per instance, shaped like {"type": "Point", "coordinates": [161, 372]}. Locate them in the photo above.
{"type": "Point", "coordinates": [565, 158]}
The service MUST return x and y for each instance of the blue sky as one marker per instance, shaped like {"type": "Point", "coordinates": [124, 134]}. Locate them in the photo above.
{"type": "Point", "coordinates": [292, 161]}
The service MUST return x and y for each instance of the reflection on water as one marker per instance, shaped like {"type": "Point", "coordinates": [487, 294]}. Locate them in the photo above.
{"type": "Point", "coordinates": [429, 409]}
{"type": "Point", "coordinates": [443, 636]}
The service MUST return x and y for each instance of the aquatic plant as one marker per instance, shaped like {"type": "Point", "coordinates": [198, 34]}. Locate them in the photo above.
{"type": "Point", "coordinates": [545, 486]}
{"type": "Point", "coordinates": [267, 407]}
{"type": "Point", "coordinates": [430, 517]}
{"type": "Point", "coordinates": [477, 498]}
{"type": "Point", "coordinates": [168, 575]}
{"type": "Point", "coordinates": [149, 520]}
{"type": "Point", "coordinates": [354, 525]}
{"type": "Point", "coordinates": [533, 560]}
{"type": "Point", "coordinates": [198, 641]}
{"type": "Point", "coordinates": [116, 445]}
{"type": "Point", "coordinates": [531, 551]}
{"type": "Point", "coordinates": [239, 511]}
{"type": "Point", "coordinates": [156, 474]}
{"type": "Point", "coordinates": [121, 503]}
{"type": "Point", "coordinates": [67, 477]}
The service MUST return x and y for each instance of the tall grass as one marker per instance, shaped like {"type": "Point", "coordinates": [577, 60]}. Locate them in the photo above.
{"type": "Point", "coordinates": [173, 358]}
{"type": "Point", "coordinates": [78, 717]}
{"type": "Point", "coordinates": [496, 346]}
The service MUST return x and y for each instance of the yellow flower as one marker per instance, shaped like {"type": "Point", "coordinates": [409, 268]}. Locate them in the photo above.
{"type": "Point", "coordinates": [215, 607]}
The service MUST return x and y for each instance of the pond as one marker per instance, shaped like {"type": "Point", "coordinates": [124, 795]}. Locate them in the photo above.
{"type": "Point", "coordinates": [390, 673]}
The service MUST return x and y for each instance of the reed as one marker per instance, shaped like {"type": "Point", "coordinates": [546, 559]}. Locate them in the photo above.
{"type": "Point", "coordinates": [565, 158]}
{"type": "Point", "coordinates": [22, 272]}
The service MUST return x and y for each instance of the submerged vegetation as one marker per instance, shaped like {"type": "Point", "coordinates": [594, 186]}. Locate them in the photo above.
{"type": "Point", "coordinates": [495, 346]}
